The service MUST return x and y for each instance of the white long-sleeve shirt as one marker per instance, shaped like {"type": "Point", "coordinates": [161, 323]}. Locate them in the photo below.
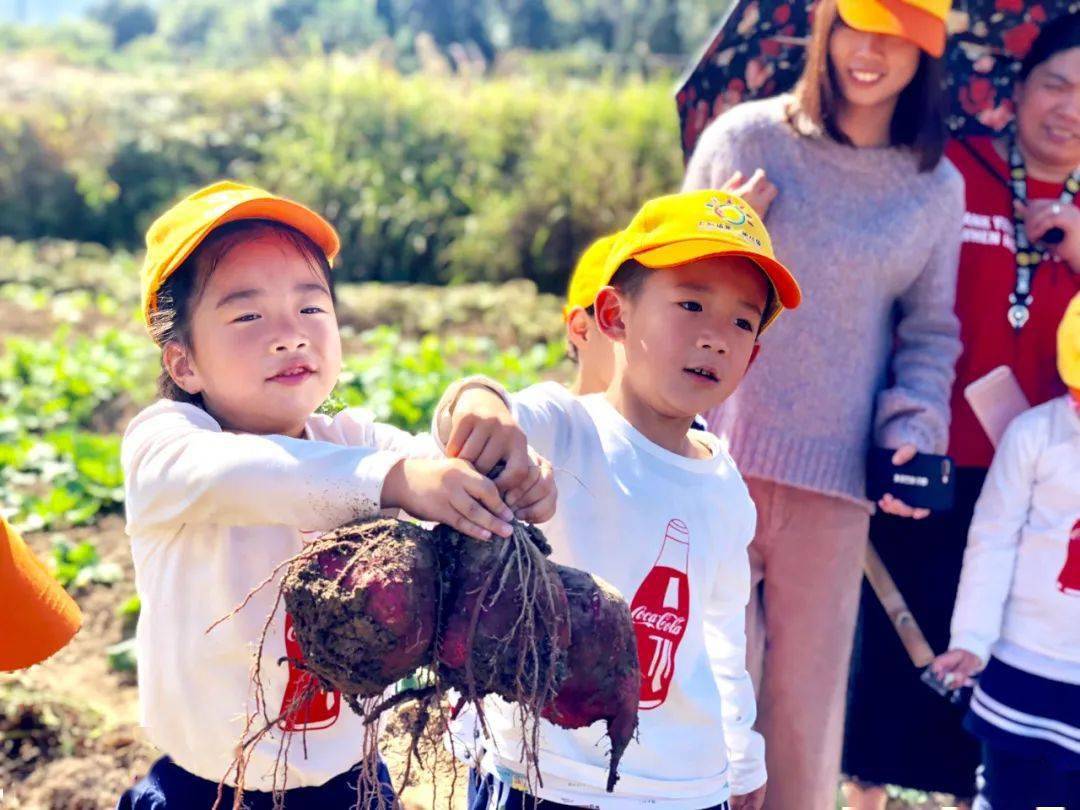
{"type": "Point", "coordinates": [210, 515]}
{"type": "Point", "coordinates": [1019, 595]}
{"type": "Point", "coordinates": [619, 496]}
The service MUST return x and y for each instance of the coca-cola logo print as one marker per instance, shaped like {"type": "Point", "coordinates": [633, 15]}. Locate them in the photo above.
{"type": "Point", "coordinates": [667, 622]}
{"type": "Point", "coordinates": [660, 610]}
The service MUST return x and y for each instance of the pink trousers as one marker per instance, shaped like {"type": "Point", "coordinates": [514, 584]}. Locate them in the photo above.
{"type": "Point", "coordinates": [806, 565]}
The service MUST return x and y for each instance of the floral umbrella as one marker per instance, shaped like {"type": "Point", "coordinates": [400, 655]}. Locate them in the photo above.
{"type": "Point", "coordinates": [759, 48]}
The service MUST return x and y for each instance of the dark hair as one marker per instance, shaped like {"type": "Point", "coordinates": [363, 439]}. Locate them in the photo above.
{"type": "Point", "coordinates": [170, 320]}
{"type": "Point", "coordinates": [1060, 34]}
{"type": "Point", "coordinates": [631, 275]}
{"type": "Point", "coordinates": [919, 119]}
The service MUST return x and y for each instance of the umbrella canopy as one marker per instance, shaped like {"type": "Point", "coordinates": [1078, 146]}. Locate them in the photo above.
{"type": "Point", "coordinates": [758, 51]}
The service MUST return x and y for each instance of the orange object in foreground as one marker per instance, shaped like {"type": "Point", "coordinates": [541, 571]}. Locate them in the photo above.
{"type": "Point", "coordinates": [38, 617]}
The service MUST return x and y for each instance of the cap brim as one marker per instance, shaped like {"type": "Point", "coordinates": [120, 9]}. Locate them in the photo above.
{"type": "Point", "coordinates": [898, 19]}
{"type": "Point", "coordinates": [277, 209]}
{"type": "Point", "coordinates": [679, 253]}
{"type": "Point", "coordinates": [43, 617]}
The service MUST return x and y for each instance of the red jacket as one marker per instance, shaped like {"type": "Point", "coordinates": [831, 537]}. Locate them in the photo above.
{"type": "Point", "coordinates": [987, 276]}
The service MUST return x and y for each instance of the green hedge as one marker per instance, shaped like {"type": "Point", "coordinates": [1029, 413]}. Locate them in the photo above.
{"type": "Point", "coordinates": [429, 178]}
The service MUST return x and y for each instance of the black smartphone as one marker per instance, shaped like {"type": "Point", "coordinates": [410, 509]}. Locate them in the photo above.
{"type": "Point", "coordinates": [926, 482]}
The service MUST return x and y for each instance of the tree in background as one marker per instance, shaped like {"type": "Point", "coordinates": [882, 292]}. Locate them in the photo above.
{"type": "Point", "coordinates": [127, 19]}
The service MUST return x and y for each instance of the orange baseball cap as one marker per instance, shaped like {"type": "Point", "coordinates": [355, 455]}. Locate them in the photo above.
{"type": "Point", "coordinates": [588, 276]}
{"type": "Point", "coordinates": [682, 228]}
{"type": "Point", "coordinates": [920, 21]}
{"type": "Point", "coordinates": [42, 617]}
{"type": "Point", "coordinates": [175, 234]}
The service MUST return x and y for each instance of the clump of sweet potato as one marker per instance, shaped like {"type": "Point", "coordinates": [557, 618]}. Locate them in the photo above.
{"type": "Point", "coordinates": [603, 677]}
{"type": "Point", "coordinates": [363, 602]}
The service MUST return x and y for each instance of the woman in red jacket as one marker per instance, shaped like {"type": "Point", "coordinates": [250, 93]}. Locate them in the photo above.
{"type": "Point", "coordinates": [1019, 267]}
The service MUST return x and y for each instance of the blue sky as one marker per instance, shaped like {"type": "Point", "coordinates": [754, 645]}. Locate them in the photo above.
{"type": "Point", "coordinates": [41, 11]}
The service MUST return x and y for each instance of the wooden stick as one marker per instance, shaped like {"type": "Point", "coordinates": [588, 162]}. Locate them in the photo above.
{"type": "Point", "coordinates": [892, 600]}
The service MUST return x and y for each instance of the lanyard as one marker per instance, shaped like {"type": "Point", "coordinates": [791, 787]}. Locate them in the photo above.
{"type": "Point", "coordinates": [1028, 256]}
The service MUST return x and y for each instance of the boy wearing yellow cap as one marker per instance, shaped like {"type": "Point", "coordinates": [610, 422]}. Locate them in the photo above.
{"type": "Point", "coordinates": [228, 475]}
{"type": "Point", "coordinates": [1017, 614]}
{"type": "Point", "coordinates": [654, 507]}
{"type": "Point", "coordinates": [42, 618]}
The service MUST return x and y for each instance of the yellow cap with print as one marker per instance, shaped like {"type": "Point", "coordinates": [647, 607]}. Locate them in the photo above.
{"type": "Point", "coordinates": [681, 228]}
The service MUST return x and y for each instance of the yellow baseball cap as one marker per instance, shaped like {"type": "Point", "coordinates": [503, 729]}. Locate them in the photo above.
{"type": "Point", "coordinates": [920, 21]}
{"type": "Point", "coordinates": [588, 276]}
{"type": "Point", "coordinates": [682, 228]}
{"type": "Point", "coordinates": [1068, 345]}
{"type": "Point", "coordinates": [42, 618]}
{"type": "Point", "coordinates": [175, 234]}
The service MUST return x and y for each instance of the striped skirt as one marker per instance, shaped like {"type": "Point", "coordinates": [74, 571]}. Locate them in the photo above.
{"type": "Point", "coordinates": [1027, 714]}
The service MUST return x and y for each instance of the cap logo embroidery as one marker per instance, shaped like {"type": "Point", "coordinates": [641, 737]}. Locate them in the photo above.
{"type": "Point", "coordinates": [731, 217]}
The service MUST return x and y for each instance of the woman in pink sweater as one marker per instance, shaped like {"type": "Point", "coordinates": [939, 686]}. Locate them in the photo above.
{"type": "Point", "coordinates": [868, 215]}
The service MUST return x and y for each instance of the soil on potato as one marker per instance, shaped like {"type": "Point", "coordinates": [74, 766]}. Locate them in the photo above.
{"type": "Point", "coordinates": [363, 601]}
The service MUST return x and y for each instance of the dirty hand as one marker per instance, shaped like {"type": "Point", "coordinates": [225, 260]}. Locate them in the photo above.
{"type": "Point", "coordinates": [449, 491]}
{"type": "Point", "coordinates": [749, 801]}
{"type": "Point", "coordinates": [758, 191]}
{"type": "Point", "coordinates": [956, 668]}
{"type": "Point", "coordinates": [533, 501]}
{"type": "Point", "coordinates": [484, 433]}
{"type": "Point", "coordinates": [895, 506]}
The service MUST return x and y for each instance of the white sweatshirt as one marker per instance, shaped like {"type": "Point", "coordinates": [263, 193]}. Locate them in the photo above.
{"type": "Point", "coordinates": [210, 515]}
{"type": "Point", "coordinates": [620, 496]}
{"type": "Point", "coordinates": [1019, 594]}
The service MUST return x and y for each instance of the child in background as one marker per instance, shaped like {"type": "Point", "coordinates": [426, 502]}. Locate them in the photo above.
{"type": "Point", "coordinates": [1018, 608]}
{"type": "Point", "coordinates": [232, 470]}
{"type": "Point", "coordinates": [590, 351]}
{"type": "Point", "coordinates": [688, 288]}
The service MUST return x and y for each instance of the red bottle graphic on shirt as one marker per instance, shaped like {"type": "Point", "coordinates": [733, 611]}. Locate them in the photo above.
{"type": "Point", "coordinates": [319, 709]}
{"type": "Point", "coordinates": [1069, 578]}
{"type": "Point", "coordinates": [660, 610]}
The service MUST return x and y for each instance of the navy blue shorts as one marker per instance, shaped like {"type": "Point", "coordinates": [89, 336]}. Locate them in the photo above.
{"type": "Point", "coordinates": [170, 786]}
{"type": "Point", "coordinates": [486, 794]}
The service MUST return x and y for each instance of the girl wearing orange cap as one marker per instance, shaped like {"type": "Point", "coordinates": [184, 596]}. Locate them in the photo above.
{"type": "Point", "coordinates": [228, 475]}
{"type": "Point", "coordinates": [868, 216]}
{"type": "Point", "coordinates": [898, 732]}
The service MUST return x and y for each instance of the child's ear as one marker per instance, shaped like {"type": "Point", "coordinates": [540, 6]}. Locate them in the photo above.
{"type": "Point", "coordinates": [609, 311]}
{"type": "Point", "coordinates": [177, 361]}
{"type": "Point", "coordinates": [577, 326]}
{"type": "Point", "coordinates": [754, 355]}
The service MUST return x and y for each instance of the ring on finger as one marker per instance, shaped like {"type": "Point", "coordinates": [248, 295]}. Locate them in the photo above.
{"type": "Point", "coordinates": [1055, 209]}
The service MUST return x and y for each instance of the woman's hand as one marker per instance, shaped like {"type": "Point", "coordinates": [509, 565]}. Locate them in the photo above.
{"type": "Point", "coordinates": [757, 191]}
{"type": "Point", "coordinates": [956, 668]}
{"type": "Point", "coordinates": [895, 506]}
{"type": "Point", "coordinates": [1042, 216]}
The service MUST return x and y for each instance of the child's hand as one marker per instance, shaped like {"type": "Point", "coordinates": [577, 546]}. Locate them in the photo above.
{"type": "Point", "coordinates": [956, 668]}
{"type": "Point", "coordinates": [483, 432]}
{"type": "Point", "coordinates": [749, 801]}
{"type": "Point", "coordinates": [533, 501]}
{"type": "Point", "coordinates": [758, 191]}
{"type": "Point", "coordinates": [448, 491]}
{"type": "Point", "coordinates": [895, 506]}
